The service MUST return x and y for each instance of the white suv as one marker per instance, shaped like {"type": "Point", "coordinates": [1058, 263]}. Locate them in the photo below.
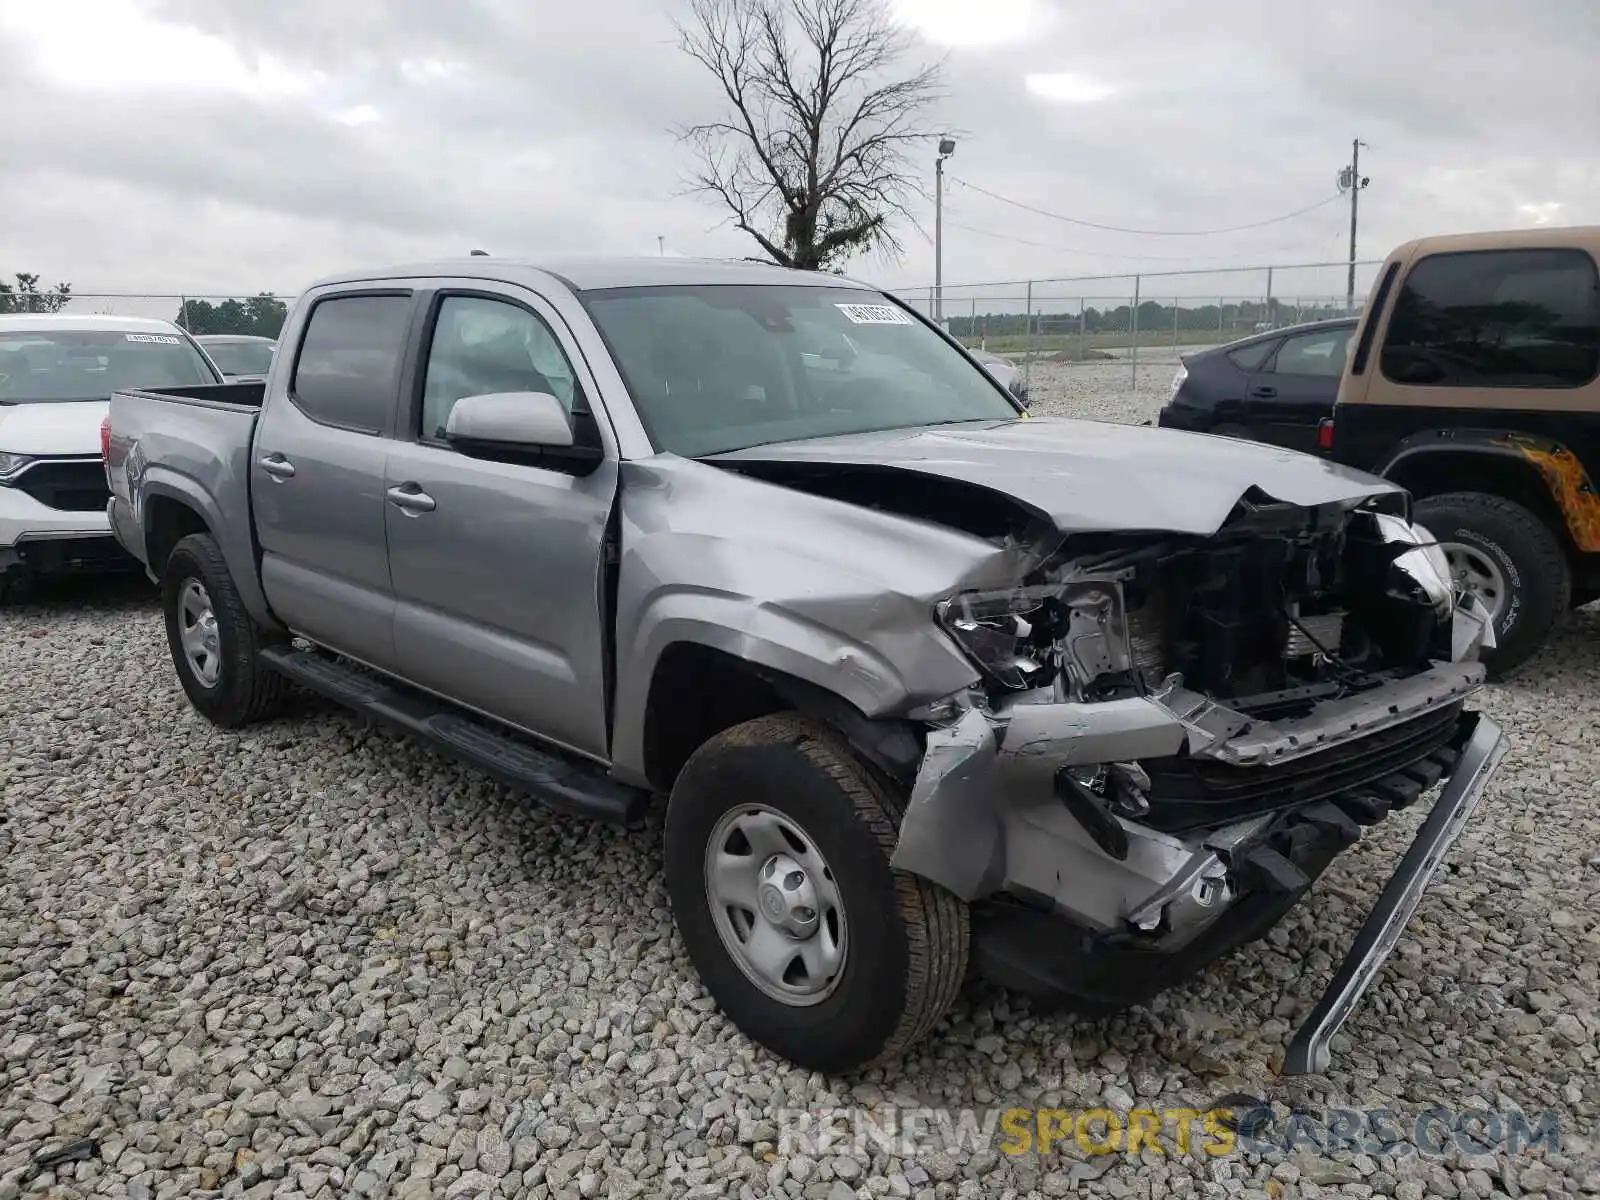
{"type": "Point", "coordinates": [56, 374]}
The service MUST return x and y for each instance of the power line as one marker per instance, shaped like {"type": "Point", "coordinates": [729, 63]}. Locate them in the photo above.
{"type": "Point", "coordinates": [1299, 212]}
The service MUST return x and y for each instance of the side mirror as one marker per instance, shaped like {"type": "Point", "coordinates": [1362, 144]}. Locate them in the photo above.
{"type": "Point", "coordinates": [511, 418]}
{"type": "Point", "coordinates": [526, 427]}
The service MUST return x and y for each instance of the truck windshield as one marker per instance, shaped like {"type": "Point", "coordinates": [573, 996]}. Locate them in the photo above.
{"type": "Point", "coordinates": [725, 367]}
{"type": "Point", "coordinates": [241, 358]}
{"type": "Point", "coordinates": [59, 365]}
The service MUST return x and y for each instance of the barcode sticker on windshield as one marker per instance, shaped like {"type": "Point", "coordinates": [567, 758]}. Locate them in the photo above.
{"type": "Point", "coordinates": [873, 314]}
{"type": "Point", "coordinates": [160, 339]}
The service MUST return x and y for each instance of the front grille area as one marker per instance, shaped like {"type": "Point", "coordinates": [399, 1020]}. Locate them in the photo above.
{"type": "Point", "coordinates": [1383, 770]}
{"type": "Point", "coordinates": [78, 486]}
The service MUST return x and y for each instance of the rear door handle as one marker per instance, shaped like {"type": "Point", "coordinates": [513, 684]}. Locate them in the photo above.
{"type": "Point", "coordinates": [277, 466]}
{"type": "Point", "coordinates": [411, 498]}
{"type": "Point", "coordinates": [1265, 393]}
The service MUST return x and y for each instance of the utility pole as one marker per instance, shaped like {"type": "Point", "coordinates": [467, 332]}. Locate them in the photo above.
{"type": "Point", "coordinates": [1352, 178]}
{"type": "Point", "coordinates": [947, 147]}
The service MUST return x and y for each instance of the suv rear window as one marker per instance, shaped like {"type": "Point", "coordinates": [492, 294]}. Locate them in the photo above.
{"type": "Point", "coordinates": [1496, 318]}
{"type": "Point", "coordinates": [348, 372]}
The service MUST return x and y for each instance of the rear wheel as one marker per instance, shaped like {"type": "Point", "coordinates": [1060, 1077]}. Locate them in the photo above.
{"type": "Point", "coordinates": [1511, 560]}
{"type": "Point", "coordinates": [777, 865]}
{"type": "Point", "coordinates": [213, 640]}
{"type": "Point", "coordinates": [15, 586]}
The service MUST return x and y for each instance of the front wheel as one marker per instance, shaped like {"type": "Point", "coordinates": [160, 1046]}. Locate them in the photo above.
{"type": "Point", "coordinates": [1511, 560]}
{"type": "Point", "coordinates": [777, 866]}
{"type": "Point", "coordinates": [214, 641]}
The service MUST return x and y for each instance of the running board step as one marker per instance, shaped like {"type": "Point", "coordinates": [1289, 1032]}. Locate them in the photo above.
{"type": "Point", "coordinates": [568, 785]}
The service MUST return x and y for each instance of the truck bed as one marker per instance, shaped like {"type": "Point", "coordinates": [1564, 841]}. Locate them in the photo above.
{"type": "Point", "coordinates": [191, 445]}
{"type": "Point", "coordinates": [225, 395]}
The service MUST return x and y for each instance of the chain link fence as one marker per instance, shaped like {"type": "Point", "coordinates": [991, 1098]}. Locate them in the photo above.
{"type": "Point", "coordinates": [168, 306]}
{"type": "Point", "coordinates": [1143, 320]}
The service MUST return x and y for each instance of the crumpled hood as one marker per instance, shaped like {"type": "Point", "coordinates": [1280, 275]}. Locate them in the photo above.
{"type": "Point", "coordinates": [70, 427]}
{"type": "Point", "coordinates": [1089, 476]}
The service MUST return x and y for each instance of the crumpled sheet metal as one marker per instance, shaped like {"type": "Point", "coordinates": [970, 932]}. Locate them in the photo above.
{"type": "Point", "coordinates": [1471, 628]}
{"type": "Point", "coordinates": [951, 832]}
{"type": "Point", "coordinates": [1039, 738]}
{"type": "Point", "coordinates": [975, 793]}
{"type": "Point", "coordinates": [984, 816]}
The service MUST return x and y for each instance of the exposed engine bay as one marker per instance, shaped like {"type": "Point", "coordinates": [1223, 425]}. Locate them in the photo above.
{"type": "Point", "coordinates": [1285, 608]}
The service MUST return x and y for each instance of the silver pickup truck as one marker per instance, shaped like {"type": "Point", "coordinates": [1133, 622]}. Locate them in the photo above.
{"type": "Point", "coordinates": [925, 683]}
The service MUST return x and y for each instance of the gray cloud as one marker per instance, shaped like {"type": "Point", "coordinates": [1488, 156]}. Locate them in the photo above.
{"type": "Point", "coordinates": [543, 127]}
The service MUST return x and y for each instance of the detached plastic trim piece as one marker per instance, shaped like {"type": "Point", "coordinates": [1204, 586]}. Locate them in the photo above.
{"type": "Point", "coordinates": [1309, 1052]}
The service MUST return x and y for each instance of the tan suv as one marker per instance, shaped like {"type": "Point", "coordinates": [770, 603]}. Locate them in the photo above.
{"type": "Point", "coordinates": [1474, 381]}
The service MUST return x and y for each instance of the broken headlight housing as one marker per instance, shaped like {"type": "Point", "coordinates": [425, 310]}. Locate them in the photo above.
{"type": "Point", "coordinates": [1031, 637]}
{"type": "Point", "coordinates": [1424, 564]}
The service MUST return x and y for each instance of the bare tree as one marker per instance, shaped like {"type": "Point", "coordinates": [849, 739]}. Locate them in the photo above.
{"type": "Point", "coordinates": [812, 158]}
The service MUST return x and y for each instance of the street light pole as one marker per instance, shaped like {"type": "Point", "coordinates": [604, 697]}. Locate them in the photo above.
{"type": "Point", "coordinates": [947, 147]}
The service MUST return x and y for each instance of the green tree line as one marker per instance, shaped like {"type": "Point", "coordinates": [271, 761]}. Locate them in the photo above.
{"type": "Point", "coordinates": [26, 296]}
{"type": "Point", "coordinates": [261, 315]}
{"type": "Point", "coordinates": [1153, 316]}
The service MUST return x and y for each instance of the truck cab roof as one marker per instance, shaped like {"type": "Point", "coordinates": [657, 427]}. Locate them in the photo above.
{"type": "Point", "coordinates": [581, 274]}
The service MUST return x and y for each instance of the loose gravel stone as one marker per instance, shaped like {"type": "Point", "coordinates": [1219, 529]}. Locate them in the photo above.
{"type": "Point", "coordinates": [313, 958]}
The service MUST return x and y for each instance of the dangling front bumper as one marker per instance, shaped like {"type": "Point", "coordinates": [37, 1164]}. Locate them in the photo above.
{"type": "Point", "coordinates": [1309, 1051]}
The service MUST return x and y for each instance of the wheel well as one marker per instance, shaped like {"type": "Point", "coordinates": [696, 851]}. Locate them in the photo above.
{"type": "Point", "coordinates": [695, 694]}
{"type": "Point", "coordinates": [1438, 472]}
{"type": "Point", "coordinates": [166, 523]}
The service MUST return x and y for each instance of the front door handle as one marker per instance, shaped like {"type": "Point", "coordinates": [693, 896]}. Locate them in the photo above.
{"type": "Point", "coordinates": [1265, 393]}
{"type": "Point", "coordinates": [411, 498]}
{"type": "Point", "coordinates": [277, 466]}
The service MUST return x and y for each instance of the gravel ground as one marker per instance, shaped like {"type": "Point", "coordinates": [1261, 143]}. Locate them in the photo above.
{"type": "Point", "coordinates": [1101, 391]}
{"type": "Point", "coordinates": [314, 959]}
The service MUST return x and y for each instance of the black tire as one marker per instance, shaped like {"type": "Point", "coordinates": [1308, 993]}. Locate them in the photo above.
{"type": "Point", "coordinates": [244, 690]}
{"type": "Point", "coordinates": [906, 947]}
{"type": "Point", "coordinates": [1529, 555]}
{"type": "Point", "coordinates": [16, 588]}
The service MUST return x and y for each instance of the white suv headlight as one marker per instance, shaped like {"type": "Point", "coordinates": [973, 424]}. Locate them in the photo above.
{"type": "Point", "coordinates": [10, 463]}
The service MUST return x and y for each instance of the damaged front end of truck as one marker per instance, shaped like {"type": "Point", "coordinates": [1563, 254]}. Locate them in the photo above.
{"type": "Point", "coordinates": [1197, 670]}
{"type": "Point", "coordinates": [1172, 740]}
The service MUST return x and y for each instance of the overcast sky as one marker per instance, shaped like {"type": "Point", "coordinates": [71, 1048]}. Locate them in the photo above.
{"type": "Point", "coordinates": [243, 145]}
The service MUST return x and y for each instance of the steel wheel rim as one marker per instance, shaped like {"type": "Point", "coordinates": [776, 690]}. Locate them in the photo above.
{"type": "Point", "coordinates": [776, 905]}
{"type": "Point", "coordinates": [197, 633]}
{"type": "Point", "coordinates": [1474, 571]}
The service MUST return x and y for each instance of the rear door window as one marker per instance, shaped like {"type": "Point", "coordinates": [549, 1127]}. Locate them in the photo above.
{"type": "Point", "coordinates": [1497, 318]}
{"type": "Point", "coordinates": [1318, 353]}
{"type": "Point", "coordinates": [348, 372]}
{"type": "Point", "coordinates": [1250, 358]}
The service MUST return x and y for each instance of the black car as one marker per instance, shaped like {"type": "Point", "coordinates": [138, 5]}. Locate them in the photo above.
{"type": "Point", "coordinates": [1275, 387]}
